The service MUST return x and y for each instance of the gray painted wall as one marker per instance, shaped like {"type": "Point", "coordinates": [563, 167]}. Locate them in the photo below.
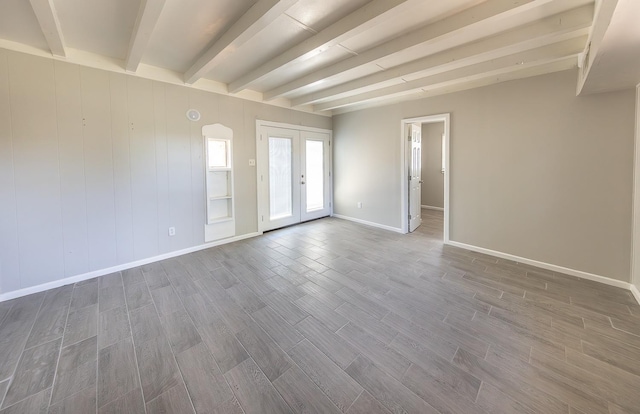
{"type": "Point", "coordinates": [536, 172]}
{"type": "Point", "coordinates": [95, 166]}
{"type": "Point", "coordinates": [432, 176]}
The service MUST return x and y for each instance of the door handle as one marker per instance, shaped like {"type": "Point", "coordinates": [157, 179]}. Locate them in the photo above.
{"type": "Point", "coordinates": [421, 181]}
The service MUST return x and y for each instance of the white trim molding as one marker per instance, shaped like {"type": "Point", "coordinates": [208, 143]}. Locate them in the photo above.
{"type": "Point", "coordinates": [635, 209]}
{"type": "Point", "coordinates": [432, 208]}
{"type": "Point", "coordinates": [101, 272]}
{"type": "Point", "coordinates": [262, 123]}
{"type": "Point", "coordinates": [369, 223]}
{"type": "Point", "coordinates": [560, 269]}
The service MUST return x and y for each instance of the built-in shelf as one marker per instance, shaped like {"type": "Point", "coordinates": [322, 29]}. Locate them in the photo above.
{"type": "Point", "coordinates": [220, 220]}
{"type": "Point", "coordinates": [219, 182]}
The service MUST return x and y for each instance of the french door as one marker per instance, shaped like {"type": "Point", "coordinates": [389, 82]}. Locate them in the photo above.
{"type": "Point", "coordinates": [294, 176]}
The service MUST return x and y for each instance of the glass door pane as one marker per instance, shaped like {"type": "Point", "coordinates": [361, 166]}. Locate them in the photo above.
{"type": "Point", "coordinates": [314, 179]}
{"type": "Point", "coordinates": [280, 178]}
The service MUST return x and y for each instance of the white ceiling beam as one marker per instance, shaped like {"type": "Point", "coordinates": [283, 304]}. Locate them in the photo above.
{"type": "Point", "coordinates": [573, 23]}
{"type": "Point", "coordinates": [518, 61]}
{"type": "Point", "coordinates": [556, 66]}
{"type": "Point", "coordinates": [259, 16]}
{"type": "Point", "coordinates": [354, 23]}
{"type": "Point", "coordinates": [50, 25]}
{"type": "Point", "coordinates": [148, 15]}
{"type": "Point", "coordinates": [483, 15]}
{"type": "Point", "coordinates": [601, 22]}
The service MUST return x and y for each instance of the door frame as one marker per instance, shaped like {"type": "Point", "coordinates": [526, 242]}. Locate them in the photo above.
{"type": "Point", "coordinates": [404, 162]}
{"type": "Point", "coordinates": [261, 205]}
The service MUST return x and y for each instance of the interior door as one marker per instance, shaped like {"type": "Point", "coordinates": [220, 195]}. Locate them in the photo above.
{"type": "Point", "coordinates": [295, 179]}
{"type": "Point", "coordinates": [415, 176]}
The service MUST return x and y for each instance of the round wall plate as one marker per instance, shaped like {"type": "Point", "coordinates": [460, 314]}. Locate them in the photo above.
{"type": "Point", "coordinates": [193, 115]}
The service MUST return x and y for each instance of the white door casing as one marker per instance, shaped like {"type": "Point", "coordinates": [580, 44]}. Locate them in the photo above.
{"type": "Point", "coordinates": [415, 176]}
{"type": "Point", "coordinates": [405, 163]}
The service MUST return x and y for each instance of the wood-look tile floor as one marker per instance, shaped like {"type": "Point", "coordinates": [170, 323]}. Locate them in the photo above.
{"type": "Point", "coordinates": [325, 317]}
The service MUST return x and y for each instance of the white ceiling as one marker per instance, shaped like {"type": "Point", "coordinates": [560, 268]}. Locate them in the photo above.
{"type": "Point", "coordinates": [325, 56]}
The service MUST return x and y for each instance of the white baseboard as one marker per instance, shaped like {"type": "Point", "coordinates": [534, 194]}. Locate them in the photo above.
{"type": "Point", "coordinates": [433, 208]}
{"type": "Point", "coordinates": [101, 272]}
{"type": "Point", "coordinates": [369, 223]}
{"type": "Point", "coordinates": [636, 293]}
{"type": "Point", "coordinates": [567, 271]}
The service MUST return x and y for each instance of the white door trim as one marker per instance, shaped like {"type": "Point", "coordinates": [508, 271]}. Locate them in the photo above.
{"type": "Point", "coordinates": [404, 190]}
{"type": "Point", "coordinates": [260, 189]}
{"type": "Point", "coordinates": [635, 227]}
{"type": "Point", "coordinates": [261, 123]}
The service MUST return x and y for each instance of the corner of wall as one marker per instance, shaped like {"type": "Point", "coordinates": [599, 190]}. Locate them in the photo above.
{"type": "Point", "coordinates": [635, 232]}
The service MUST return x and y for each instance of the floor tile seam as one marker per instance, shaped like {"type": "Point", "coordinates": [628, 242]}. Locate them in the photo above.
{"type": "Point", "coordinates": [539, 369]}
{"type": "Point", "coordinates": [26, 398]}
{"type": "Point", "coordinates": [69, 396]}
{"type": "Point", "coordinates": [549, 330]}
{"type": "Point", "coordinates": [205, 345]}
{"type": "Point", "coordinates": [516, 340]}
{"type": "Point", "coordinates": [127, 287]}
{"type": "Point", "coordinates": [608, 315]}
{"type": "Point", "coordinates": [268, 334]}
{"type": "Point", "coordinates": [600, 361]}
{"type": "Point", "coordinates": [44, 343]}
{"type": "Point", "coordinates": [361, 352]}
{"type": "Point", "coordinates": [12, 376]}
{"type": "Point", "coordinates": [295, 365]}
{"type": "Point", "coordinates": [399, 381]}
{"type": "Point", "coordinates": [261, 371]}
{"type": "Point", "coordinates": [561, 377]}
{"type": "Point", "coordinates": [135, 354]}
{"type": "Point", "coordinates": [356, 399]}
{"type": "Point", "coordinates": [166, 338]}
{"type": "Point", "coordinates": [55, 374]}
{"type": "Point", "coordinates": [6, 391]}
{"type": "Point", "coordinates": [6, 315]}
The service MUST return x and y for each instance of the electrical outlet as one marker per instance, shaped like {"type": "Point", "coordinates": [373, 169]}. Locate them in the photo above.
{"type": "Point", "coordinates": [252, 163]}
{"type": "Point", "coordinates": [359, 204]}
{"type": "Point", "coordinates": [172, 231]}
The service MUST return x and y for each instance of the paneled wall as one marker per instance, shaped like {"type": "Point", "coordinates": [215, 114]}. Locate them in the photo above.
{"type": "Point", "coordinates": [95, 167]}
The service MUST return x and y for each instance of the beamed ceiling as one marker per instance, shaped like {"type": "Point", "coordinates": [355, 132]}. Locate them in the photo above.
{"type": "Point", "coordinates": [325, 56]}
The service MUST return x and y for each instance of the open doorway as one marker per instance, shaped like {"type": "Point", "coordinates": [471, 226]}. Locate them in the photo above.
{"type": "Point", "coordinates": [425, 174]}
